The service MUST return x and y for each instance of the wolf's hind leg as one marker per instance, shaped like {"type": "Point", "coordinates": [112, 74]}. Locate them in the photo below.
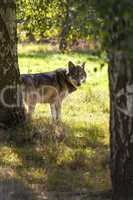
{"type": "Point", "coordinates": [31, 108]}
{"type": "Point", "coordinates": [53, 111]}
{"type": "Point", "coordinates": [56, 111]}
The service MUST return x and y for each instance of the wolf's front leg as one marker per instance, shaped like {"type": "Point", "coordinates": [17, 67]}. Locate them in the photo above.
{"type": "Point", "coordinates": [56, 111]}
{"type": "Point", "coordinates": [31, 105]}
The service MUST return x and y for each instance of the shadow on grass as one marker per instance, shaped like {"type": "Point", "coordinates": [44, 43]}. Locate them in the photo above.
{"type": "Point", "coordinates": [13, 189]}
{"type": "Point", "coordinates": [71, 163]}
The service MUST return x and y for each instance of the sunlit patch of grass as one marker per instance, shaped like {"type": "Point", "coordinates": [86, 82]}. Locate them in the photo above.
{"type": "Point", "coordinates": [8, 156]}
{"type": "Point", "coordinates": [32, 175]}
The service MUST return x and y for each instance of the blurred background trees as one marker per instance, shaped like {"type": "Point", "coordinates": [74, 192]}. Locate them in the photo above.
{"type": "Point", "coordinates": [66, 22]}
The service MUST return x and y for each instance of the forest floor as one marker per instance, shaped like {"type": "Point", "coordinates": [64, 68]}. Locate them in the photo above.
{"type": "Point", "coordinates": [70, 162]}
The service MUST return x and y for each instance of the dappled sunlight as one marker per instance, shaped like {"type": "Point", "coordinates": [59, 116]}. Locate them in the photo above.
{"type": "Point", "coordinates": [77, 161]}
{"type": "Point", "coordinates": [8, 156]}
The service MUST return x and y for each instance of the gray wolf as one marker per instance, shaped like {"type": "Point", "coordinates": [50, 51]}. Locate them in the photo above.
{"type": "Point", "coordinates": [52, 87]}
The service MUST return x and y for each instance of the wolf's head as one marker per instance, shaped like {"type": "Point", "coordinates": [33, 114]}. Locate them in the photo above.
{"type": "Point", "coordinates": [76, 73]}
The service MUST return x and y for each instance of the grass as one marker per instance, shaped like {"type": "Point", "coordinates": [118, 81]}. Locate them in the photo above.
{"type": "Point", "coordinates": [73, 156]}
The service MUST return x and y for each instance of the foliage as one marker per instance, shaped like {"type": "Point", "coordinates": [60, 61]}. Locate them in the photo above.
{"type": "Point", "coordinates": [109, 22]}
{"type": "Point", "coordinates": [34, 16]}
{"type": "Point", "coordinates": [116, 25]}
{"type": "Point", "coordinates": [68, 20]}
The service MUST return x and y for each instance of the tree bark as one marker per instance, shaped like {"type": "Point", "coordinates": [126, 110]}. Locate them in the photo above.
{"type": "Point", "coordinates": [66, 26]}
{"type": "Point", "coordinates": [11, 108]}
{"type": "Point", "coordinates": [121, 124]}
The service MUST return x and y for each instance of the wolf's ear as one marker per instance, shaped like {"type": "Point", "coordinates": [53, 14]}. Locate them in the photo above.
{"type": "Point", "coordinates": [83, 65]}
{"type": "Point", "coordinates": [70, 64]}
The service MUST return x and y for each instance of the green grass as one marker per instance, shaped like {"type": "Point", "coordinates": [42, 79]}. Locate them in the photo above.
{"type": "Point", "coordinates": [72, 156]}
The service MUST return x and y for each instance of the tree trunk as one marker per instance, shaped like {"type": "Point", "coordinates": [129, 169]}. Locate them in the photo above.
{"type": "Point", "coordinates": [11, 109]}
{"type": "Point", "coordinates": [121, 124]}
{"type": "Point", "coordinates": [65, 27]}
